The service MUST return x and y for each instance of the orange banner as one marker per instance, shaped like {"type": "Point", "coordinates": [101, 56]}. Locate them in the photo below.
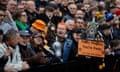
{"type": "Point", "coordinates": [91, 48]}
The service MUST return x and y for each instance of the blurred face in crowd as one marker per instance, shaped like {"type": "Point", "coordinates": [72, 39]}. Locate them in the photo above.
{"type": "Point", "coordinates": [86, 7]}
{"type": "Point", "coordinates": [57, 1]}
{"type": "Point", "coordinates": [113, 10]}
{"type": "Point", "coordinates": [5, 2]}
{"type": "Point", "coordinates": [20, 7]}
{"type": "Point", "coordinates": [14, 40]}
{"type": "Point", "coordinates": [80, 23]}
{"type": "Point", "coordinates": [72, 9]}
{"type": "Point", "coordinates": [87, 1]}
{"type": "Point", "coordinates": [110, 22]}
{"type": "Point", "coordinates": [71, 1]}
{"type": "Point", "coordinates": [31, 5]}
{"type": "Point", "coordinates": [49, 14]}
{"type": "Point", "coordinates": [70, 24]}
{"type": "Point", "coordinates": [117, 2]}
{"type": "Point", "coordinates": [24, 40]}
{"type": "Point", "coordinates": [57, 11]}
{"type": "Point", "coordinates": [77, 36]}
{"type": "Point", "coordinates": [23, 17]}
{"type": "Point", "coordinates": [61, 31]}
{"type": "Point", "coordinates": [107, 32]}
{"type": "Point", "coordinates": [2, 15]}
{"type": "Point", "coordinates": [38, 39]}
{"type": "Point", "coordinates": [64, 3]}
{"type": "Point", "coordinates": [79, 14]}
{"type": "Point", "coordinates": [41, 10]}
{"type": "Point", "coordinates": [116, 24]}
{"type": "Point", "coordinates": [101, 3]}
{"type": "Point", "coordinates": [12, 6]}
{"type": "Point", "coordinates": [24, 3]}
{"type": "Point", "coordinates": [94, 12]}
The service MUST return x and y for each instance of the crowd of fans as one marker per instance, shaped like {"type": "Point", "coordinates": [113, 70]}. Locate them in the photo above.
{"type": "Point", "coordinates": [41, 32]}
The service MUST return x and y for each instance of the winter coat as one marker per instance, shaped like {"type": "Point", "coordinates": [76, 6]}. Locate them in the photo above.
{"type": "Point", "coordinates": [14, 59]}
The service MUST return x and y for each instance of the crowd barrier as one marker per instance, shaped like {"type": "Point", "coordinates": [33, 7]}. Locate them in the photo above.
{"type": "Point", "coordinates": [74, 66]}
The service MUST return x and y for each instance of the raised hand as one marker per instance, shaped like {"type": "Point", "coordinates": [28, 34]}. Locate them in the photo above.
{"type": "Point", "coordinates": [25, 65]}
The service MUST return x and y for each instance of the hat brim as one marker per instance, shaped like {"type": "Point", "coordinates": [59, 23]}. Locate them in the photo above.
{"type": "Point", "coordinates": [38, 28]}
{"type": "Point", "coordinates": [25, 35]}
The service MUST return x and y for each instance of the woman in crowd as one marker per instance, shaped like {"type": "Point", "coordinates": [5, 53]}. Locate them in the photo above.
{"type": "Point", "coordinates": [21, 20]}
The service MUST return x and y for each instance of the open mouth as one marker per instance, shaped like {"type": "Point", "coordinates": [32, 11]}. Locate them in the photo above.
{"type": "Point", "coordinates": [60, 33]}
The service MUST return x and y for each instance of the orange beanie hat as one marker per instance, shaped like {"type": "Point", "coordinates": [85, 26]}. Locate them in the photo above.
{"type": "Point", "coordinates": [40, 25]}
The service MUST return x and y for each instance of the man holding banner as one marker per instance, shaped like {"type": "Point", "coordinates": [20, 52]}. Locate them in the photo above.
{"type": "Point", "coordinates": [89, 63]}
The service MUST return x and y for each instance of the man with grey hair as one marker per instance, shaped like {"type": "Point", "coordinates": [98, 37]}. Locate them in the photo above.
{"type": "Point", "coordinates": [9, 52]}
{"type": "Point", "coordinates": [70, 23]}
{"type": "Point", "coordinates": [72, 9]}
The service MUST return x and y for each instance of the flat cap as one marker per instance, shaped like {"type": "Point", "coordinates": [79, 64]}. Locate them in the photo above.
{"type": "Point", "coordinates": [24, 33]}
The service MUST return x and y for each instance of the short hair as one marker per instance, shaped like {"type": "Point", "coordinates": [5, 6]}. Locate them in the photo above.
{"type": "Point", "coordinates": [69, 21]}
{"type": "Point", "coordinates": [18, 14]}
{"type": "Point", "coordinates": [9, 34]}
{"type": "Point", "coordinates": [11, 1]}
{"type": "Point", "coordinates": [50, 9]}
